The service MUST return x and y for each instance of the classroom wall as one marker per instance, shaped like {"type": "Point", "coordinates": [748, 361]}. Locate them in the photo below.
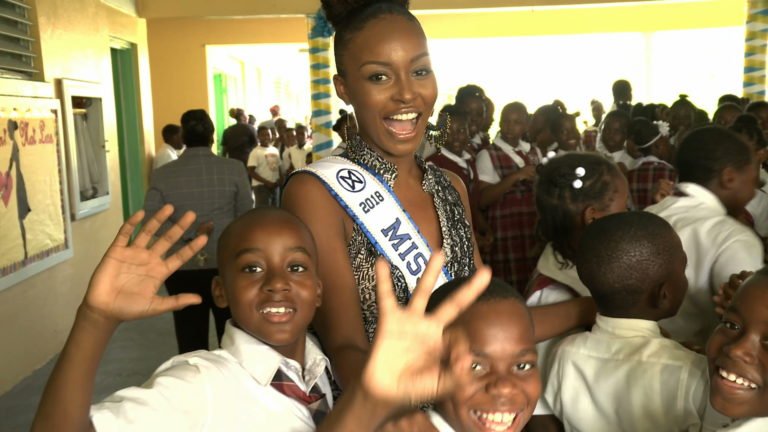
{"type": "Point", "coordinates": [36, 314]}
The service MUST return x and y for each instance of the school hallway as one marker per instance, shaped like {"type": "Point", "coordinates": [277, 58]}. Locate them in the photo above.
{"type": "Point", "coordinates": [135, 351]}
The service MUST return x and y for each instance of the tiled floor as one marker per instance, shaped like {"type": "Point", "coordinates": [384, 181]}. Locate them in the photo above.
{"type": "Point", "coordinates": [135, 351]}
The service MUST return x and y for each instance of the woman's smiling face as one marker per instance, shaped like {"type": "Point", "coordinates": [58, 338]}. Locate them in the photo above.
{"type": "Point", "coordinates": [388, 79]}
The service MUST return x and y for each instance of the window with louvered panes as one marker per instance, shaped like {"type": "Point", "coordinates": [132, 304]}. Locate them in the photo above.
{"type": "Point", "coordinates": [17, 56]}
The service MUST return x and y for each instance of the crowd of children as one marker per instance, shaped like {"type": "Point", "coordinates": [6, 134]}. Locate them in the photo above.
{"type": "Point", "coordinates": [629, 292]}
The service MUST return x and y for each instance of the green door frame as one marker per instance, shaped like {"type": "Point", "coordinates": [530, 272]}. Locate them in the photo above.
{"type": "Point", "coordinates": [129, 127]}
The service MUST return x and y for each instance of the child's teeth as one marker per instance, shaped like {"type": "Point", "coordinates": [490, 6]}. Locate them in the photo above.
{"type": "Point", "coordinates": [276, 310]}
{"type": "Point", "coordinates": [732, 377]}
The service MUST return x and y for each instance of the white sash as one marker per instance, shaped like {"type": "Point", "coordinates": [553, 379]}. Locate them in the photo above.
{"type": "Point", "coordinates": [372, 204]}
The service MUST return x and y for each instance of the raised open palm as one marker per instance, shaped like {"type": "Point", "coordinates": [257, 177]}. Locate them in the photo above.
{"type": "Point", "coordinates": [125, 283]}
{"type": "Point", "coordinates": [413, 359]}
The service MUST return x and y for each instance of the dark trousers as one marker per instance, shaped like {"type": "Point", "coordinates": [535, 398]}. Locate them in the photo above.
{"type": "Point", "coordinates": [191, 323]}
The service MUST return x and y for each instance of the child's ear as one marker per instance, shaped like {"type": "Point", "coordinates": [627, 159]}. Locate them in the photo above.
{"type": "Point", "coordinates": [341, 88]}
{"type": "Point", "coordinates": [728, 178]}
{"type": "Point", "coordinates": [658, 297]}
{"type": "Point", "coordinates": [589, 215]}
{"type": "Point", "coordinates": [217, 290]}
{"type": "Point", "coordinates": [319, 293]}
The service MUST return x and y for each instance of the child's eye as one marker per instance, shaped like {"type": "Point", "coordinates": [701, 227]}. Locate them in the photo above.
{"type": "Point", "coordinates": [478, 369]}
{"type": "Point", "coordinates": [422, 72]}
{"type": "Point", "coordinates": [297, 268]}
{"type": "Point", "coordinates": [252, 269]}
{"type": "Point", "coordinates": [377, 77]}
{"type": "Point", "coordinates": [522, 367]}
{"type": "Point", "coordinates": [730, 325]}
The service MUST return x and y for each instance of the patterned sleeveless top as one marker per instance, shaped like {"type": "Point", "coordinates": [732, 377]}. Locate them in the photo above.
{"type": "Point", "coordinates": [455, 230]}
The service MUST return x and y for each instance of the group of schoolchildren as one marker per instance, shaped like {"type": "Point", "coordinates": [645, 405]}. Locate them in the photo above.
{"type": "Point", "coordinates": [655, 287]}
{"type": "Point", "coordinates": [270, 151]}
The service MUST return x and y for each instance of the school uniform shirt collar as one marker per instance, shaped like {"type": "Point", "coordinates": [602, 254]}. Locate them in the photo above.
{"type": "Point", "coordinates": [550, 266]}
{"type": "Point", "coordinates": [439, 422]}
{"type": "Point", "coordinates": [512, 151]}
{"type": "Point", "coordinates": [626, 327]}
{"type": "Point", "coordinates": [460, 160]}
{"type": "Point", "coordinates": [703, 196]}
{"type": "Point", "coordinates": [262, 361]}
{"type": "Point", "coordinates": [651, 158]}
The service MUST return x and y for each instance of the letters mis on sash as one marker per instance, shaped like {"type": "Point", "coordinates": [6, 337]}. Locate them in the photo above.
{"type": "Point", "coordinates": [373, 206]}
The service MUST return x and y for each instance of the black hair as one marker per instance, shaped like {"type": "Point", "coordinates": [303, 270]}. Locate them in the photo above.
{"type": "Point", "coordinates": [705, 152]}
{"type": "Point", "coordinates": [723, 108]}
{"type": "Point", "coordinates": [350, 16]}
{"type": "Point", "coordinates": [170, 131]}
{"type": "Point", "coordinates": [621, 88]}
{"type": "Point", "coordinates": [197, 128]}
{"type": "Point", "coordinates": [513, 106]}
{"type": "Point", "coordinates": [647, 111]}
{"type": "Point", "coordinates": [448, 113]}
{"type": "Point", "coordinates": [342, 121]}
{"type": "Point", "coordinates": [749, 126]}
{"type": "Point", "coordinates": [683, 102]}
{"type": "Point", "coordinates": [468, 92]}
{"type": "Point", "coordinates": [729, 98]}
{"type": "Point", "coordinates": [263, 127]}
{"type": "Point", "coordinates": [248, 218]}
{"type": "Point", "coordinates": [497, 290]}
{"type": "Point", "coordinates": [641, 131]}
{"type": "Point", "coordinates": [700, 118]}
{"type": "Point", "coordinates": [621, 257]}
{"type": "Point", "coordinates": [235, 113]}
{"type": "Point", "coordinates": [756, 106]}
{"type": "Point", "coordinates": [619, 115]}
{"type": "Point", "coordinates": [560, 204]}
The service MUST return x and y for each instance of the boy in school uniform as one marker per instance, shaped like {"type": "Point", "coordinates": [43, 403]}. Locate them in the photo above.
{"type": "Point", "coordinates": [717, 173]}
{"type": "Point", "coordinates": [625, 375]}
{"type": "Point", "coordinates": [505, 378]}
{"type": "Point", "coordinates": [738, 362]}
{"type": "Point", "coordinates": [268, 373]}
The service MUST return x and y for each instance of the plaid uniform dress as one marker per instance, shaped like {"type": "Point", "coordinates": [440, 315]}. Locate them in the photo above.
{"type": "Point", "coordinates": [644, 177]}
{"type": "Point", "coordinates": [512, 220]}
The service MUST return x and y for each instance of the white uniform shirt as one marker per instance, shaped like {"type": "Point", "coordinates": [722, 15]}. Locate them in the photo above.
{"type": "Point", "coordinates": [716, 422]}
{"type": "Point", "coordinates": [228, 389]}
{"type": "Point", "coordinates": [716, 245]}
{"type": "Point", "coordinates": [295, 156]}
{"type": "Point", "coordinates": [166, 154]}
{"type": "Point", "coordinates": [439, 422]}
{"type": "Point", "coordinates": [758, 207]}
{"type": "Point", "coordinates": [485, 169]}
{"type": "Point", "coordinates": [266, 160]}
{"type": "Point", "coordinates": [622, 156]}
{"type": "Point", "coordinates": [625, 376]}
{"type": "Point", "coordinates": [567, 281]}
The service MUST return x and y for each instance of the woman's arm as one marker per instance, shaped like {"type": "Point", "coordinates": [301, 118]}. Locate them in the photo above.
{"type": "Point", "coordinates": [338, 321]}
{"type": "Point", "coordinates": [461, 188]}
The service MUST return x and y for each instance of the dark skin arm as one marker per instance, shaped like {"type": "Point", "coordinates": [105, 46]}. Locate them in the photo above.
{"type": "Point", "coordinates": [491, 193]}
{"type": "Point", "coordinates": [339, 321]}
{"type": "Point", "coordinates": [258, 178]}
{"type": "Point", "coordinates": [123, 288]}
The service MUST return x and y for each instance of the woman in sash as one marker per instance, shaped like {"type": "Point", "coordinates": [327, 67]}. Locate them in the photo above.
{"type": "Point", "coordinates": [384, 72]}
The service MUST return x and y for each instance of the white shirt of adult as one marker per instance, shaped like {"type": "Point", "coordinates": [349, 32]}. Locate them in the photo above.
{"type": "Point", "coordinates": [228, 389]}
{"type": "Point", "coordinates": [166, 154]}
{"type": "Point", "coordinates": [625, 376]}
{"type": "Point", "coordinates": [266, 161]}
{"type": "Point", "coordinates": [487, 173]}
{"type": "Point", "coordinates": [717, 246]}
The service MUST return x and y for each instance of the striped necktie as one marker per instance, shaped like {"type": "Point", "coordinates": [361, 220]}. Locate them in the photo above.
{"type": "Point", "coordinates": [315, 400]}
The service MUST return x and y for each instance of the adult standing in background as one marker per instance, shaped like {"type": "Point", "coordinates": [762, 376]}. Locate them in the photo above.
{"type": "Point", "coordinates": [172, 146]}
{"type": "Point", "coordinates": [217, 190]}
{"type": "Point", "coordinates": [238, 140]}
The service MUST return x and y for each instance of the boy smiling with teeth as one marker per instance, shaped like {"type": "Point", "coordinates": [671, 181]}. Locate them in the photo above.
{"type": "Point", "coordinates": [738, 361]}
{"type": "Point", "coordinates": [268, 375]}
{"type": "Point", "coordinates": [506, 383]}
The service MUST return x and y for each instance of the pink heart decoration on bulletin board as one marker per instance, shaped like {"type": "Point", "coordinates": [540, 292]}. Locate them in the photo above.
{"type": "Point", "coordinates": [6, 187]}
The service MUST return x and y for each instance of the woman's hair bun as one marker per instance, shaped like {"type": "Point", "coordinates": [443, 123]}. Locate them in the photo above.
{"type": "Point", "coordinates": [338, 12]}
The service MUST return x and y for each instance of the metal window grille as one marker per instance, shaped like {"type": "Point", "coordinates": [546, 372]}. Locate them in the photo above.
{"type": "Point", "coordinates": [17, 56]}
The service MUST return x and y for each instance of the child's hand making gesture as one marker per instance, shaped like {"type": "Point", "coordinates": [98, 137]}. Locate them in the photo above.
{"type": "Point", "coordinates": [124, 285]}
